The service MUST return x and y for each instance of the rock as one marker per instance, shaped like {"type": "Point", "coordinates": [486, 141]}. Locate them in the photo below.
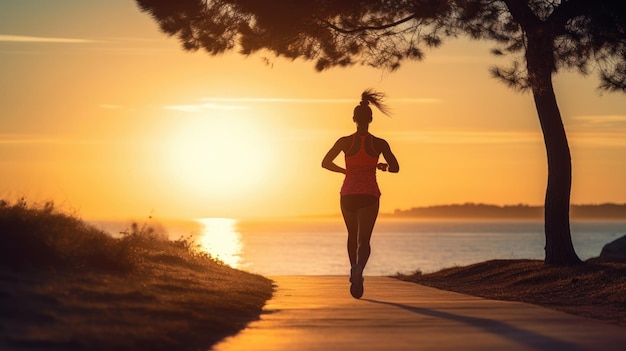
{"type": "Point", "coordinates": [615, 250]}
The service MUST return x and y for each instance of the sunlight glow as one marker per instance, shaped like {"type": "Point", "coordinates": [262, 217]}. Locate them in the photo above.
{"type": "Point", "coordinates": [221, 240]}
{"type": "Point", "coordinates": [221, 155]}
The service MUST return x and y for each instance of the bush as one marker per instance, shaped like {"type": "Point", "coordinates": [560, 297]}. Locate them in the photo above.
{"type": "Point", "coordinates": [41, 237]}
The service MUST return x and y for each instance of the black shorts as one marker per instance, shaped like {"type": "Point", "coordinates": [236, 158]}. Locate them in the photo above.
{"type": "Point", "coordinates": [355, 202]}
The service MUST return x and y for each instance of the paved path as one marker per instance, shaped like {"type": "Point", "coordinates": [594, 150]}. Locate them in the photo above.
{"type": "Point", "coordinates": [318, 313]}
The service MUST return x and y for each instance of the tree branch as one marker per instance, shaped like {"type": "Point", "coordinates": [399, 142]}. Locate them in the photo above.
{"type": "Point", "coordinates": [367, 28]}
{"type": "Point", "coordinates": [522, 14]}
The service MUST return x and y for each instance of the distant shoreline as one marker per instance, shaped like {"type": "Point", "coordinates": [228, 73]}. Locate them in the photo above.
{"type": "Point", "coordinates": [605, 211]}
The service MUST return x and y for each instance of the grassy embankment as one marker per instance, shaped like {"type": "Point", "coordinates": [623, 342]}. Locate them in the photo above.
{"type": "Point", "coordinates": [65, 285]}
{"type": "Point", "coordinates": [594, 289]}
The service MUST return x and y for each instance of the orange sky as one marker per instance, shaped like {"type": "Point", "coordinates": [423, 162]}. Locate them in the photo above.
{"type": "Point", "coordinates": [106, 116]}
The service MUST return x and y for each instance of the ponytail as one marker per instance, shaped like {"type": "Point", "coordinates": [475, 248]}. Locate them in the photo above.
{"type": "Point", "coordinates": [376, 98]}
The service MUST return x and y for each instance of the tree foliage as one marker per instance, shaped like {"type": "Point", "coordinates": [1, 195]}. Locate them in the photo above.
{"type": "Point", "coordinates": [587, 35]}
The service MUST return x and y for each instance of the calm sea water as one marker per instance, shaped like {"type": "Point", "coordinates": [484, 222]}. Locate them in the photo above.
{"type": "Point", "coordinates": [317, 247]}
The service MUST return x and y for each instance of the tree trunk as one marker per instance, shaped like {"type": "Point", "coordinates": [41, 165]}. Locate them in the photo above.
{"type": "Point", "coordinates": [559, 249]}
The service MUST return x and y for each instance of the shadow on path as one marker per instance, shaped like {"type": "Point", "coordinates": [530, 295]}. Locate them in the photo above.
{"type": "Point", "coordinates": [520, 336]}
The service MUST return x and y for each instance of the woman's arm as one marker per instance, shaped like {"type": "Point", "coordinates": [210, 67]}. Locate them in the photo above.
{"type": "Point", "coordinates": [329, 160]}
{"type": "Point", "coordinates": [385, 149]}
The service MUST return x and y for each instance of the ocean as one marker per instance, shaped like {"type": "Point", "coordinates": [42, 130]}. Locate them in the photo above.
{"type": "Point", "coordinates": [318, 246]}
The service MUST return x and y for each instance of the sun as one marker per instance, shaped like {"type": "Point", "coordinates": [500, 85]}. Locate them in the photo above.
{"type": "Point", "coordinates": [219, 155]}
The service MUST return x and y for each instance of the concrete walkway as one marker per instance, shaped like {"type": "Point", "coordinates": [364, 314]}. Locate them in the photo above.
{"type": "Point", "coordinates": [318, 313]}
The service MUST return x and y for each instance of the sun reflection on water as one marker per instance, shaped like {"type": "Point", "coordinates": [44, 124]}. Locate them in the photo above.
{"type": "Point", "coordinates": [219, 237]}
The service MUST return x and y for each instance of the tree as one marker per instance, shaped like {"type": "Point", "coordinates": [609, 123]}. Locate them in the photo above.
{"type": "Point", "coordinates": [541, 36]}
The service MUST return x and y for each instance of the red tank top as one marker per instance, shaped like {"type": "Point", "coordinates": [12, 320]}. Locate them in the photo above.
{"type": "Point", "coordinates": [361, 169]}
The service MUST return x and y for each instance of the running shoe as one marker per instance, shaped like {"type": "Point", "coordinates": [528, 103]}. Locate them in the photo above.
{"type": "Point", "coordinates": [356, 281]}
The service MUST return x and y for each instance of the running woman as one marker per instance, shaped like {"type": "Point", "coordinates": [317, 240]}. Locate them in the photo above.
{"type": "Point", "coordinates": [360, 194]}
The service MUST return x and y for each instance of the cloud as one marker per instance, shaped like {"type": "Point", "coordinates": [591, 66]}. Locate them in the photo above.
{"type": "Point", "coordinates": [437, 137]}
{"type": "Point", "coordinates": [12, 139]}
{"type": "Point", "coordinates": [581, 138]}
{"type": "Point", "coordinates": [317, 101]}
{"type": "Point", "coordinates": [614, 138]}
{"type": "Point", "coordinates": [203, 107]}
{"type": "Point", "coordinates": [466, 137]}
{"type": "Point", "coordinates": [31, 139]}
{"type": "Point", "coordinates": [598, 131]}
{"type": "Point", "coordinates": [222, 103]}
{"type": "Point", "coordinates": [31, 39]}
{"type": "Point", "coordinates": [279, 100]}
{"type": "Point", "coordinates": [110, 106]}
{"type": "Point", "coordinates": [601, 120]}
{"type": "Point", "coordinates": [418, 100]}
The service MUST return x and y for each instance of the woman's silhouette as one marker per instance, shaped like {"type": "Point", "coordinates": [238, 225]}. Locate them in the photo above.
{"type": "Point", "coordinates": [360, 193]}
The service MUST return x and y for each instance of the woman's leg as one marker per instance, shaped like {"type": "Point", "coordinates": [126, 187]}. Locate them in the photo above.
{"type": "Point", "coordinates": [359, 213]}
{"type": "Point", "coordinates": [352, 225]}
{"type": "Point", "coordinates": [366, 218]}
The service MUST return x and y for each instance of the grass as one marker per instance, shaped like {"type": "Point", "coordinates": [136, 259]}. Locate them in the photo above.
{"type": "Point", "coordinates": [65, 285]}
{"type": "Point", "coordinates": [594, 289]}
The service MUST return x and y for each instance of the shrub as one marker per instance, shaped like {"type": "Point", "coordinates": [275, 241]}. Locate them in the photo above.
{"type": "Point", "coordinates": [33, 236]}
